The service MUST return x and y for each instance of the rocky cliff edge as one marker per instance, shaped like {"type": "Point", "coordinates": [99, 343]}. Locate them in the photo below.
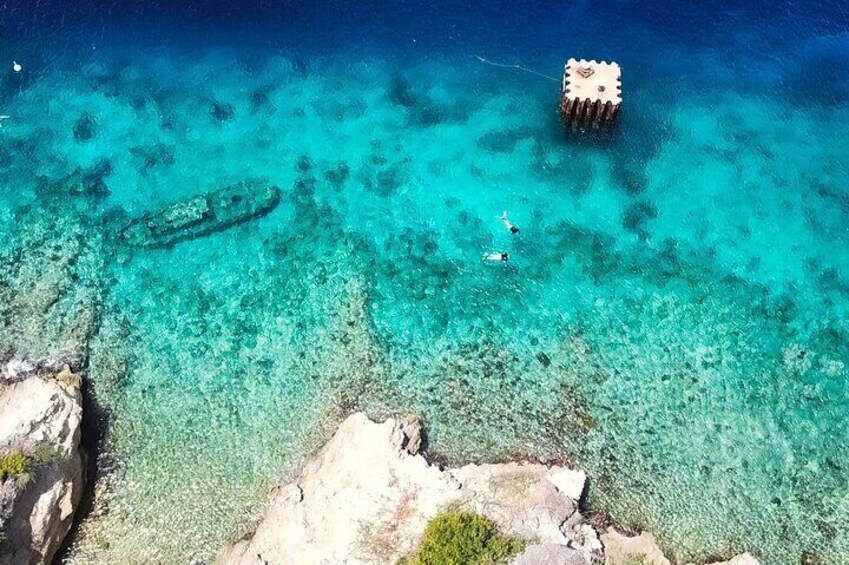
{"type": "Point", "coordinates": [41, 466]}
{"type": "Point", "coordinates": [367, 495]}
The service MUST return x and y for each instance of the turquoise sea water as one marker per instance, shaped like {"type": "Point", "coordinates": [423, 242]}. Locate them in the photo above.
{"type": "Point", "coordinates": [672, 318]}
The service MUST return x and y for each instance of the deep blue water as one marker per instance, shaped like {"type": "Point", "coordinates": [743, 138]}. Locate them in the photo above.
{"type": "Point", "coordinates": [672, 319]}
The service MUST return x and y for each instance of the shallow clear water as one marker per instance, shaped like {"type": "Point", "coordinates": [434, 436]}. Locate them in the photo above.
{"type": "Point", "coordinates": [672, 318]}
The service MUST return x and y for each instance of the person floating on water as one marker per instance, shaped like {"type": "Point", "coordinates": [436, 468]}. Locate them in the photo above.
{"type": "Point", "coordinates": [508, 224]}
{"type": "Point", "coordinates": [503, 257]}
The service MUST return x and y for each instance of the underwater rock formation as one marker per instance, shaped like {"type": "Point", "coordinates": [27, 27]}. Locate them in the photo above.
{"type": "Point", "coordinates": [635, 218]}
{"type": "Point", "coordinates": [222, 111]}
{"type": "Point", "coordinates": [422, 109]}
{"type": "Point", "coordinates": [150, 156]}
{"type": "Point", "coordinates": [401, 93]}
{"type": "Point", "coordinates": [50, 287]}
{"type": "Point", "coordinates": [620, 548]}
{"type": "Point", "coordinates": [41, 465]}
{"type": "Point", "coordinates": [87, 182]}
{"type": "Point", "coordinates": [85, 128]}
{"type": "Point", "coordinates": [202, 215]}
{"type": "Point", "coordinates": [368, 494]}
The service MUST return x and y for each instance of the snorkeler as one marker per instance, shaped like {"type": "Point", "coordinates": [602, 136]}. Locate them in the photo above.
{"type": "Point", "coordinates": [503, 257]}
{"type": "Point", "coordinates": [508, 224]}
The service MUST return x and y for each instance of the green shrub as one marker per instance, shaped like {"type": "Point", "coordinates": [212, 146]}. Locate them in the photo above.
{"type": "Point", "coordinates": [459, 537]}
{"type": "Point", "coordinates": [639, 559]}
{"type": "Point", "coordinates": [45, 454]}
{"type": "Point", "coordinates": [13, 465]}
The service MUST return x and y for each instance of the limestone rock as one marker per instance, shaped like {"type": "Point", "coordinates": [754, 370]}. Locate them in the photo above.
{"type": "Point", "coordinates": [362, 499]}
{"type": "Point", "coordinates": [742, 559]}
{"type": "Point", "coordinates": [618, 548]}
{"type": "Point", "coordinates": [411, 428]}
{"type": "Point", "coordinates": [40, 419]}
{"type": "Point", "coordinates": [584, 537]}
{"type": "Point", "coordinates": [550, 554]}
{"type": "Point", "coordinates": [519, 498]}
{"type": "Point", "coordinates": [570, 482]}
{"type": "Point", "coordinates": [367, 496]}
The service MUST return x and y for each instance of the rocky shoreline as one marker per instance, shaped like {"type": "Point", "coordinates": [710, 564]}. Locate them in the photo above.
{"type": "Point", "coordinates": [365, 498]}
{"type": "Point", "coordinates": [42, 468]}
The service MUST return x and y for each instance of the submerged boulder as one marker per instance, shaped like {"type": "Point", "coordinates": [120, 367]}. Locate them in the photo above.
{"type": "Point", "coordinates": [150, 156]}
{"type": "Point", "coordinates": [85, 182]}
{"type": "Point", "coordinates": [222, 111]}
{"type": "Point", "coordinates": [41, 465]}
{"type": "Point", "coordinates": [621, 549]}
{"type": "Point", "coordinates": [85, 128]}
{"type": "Point", "coordinates": [401, 93]}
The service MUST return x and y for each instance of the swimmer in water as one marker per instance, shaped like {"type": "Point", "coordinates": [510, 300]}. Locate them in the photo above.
{"type": "Point", "coordinates": [503, 257]}
{"type": "Point", "coordinates": [511, 227]}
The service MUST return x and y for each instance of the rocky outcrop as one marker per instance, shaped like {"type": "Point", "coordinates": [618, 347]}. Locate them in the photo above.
{"type": "Point", "coordinates": [549, 554]}
{"type": "Point", "coordinates": [742, 559]}
{"type": "Point", "coordinates": [42, 481]}
{"type": "Point", "coordinates": [620, 548]}
{"type": "Point", "coordinates": [368, 494]}
{"type": "Point", "coordinates": [50, 285]}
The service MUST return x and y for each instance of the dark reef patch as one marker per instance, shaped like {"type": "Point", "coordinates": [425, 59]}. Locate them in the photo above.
{"type": "Point", "coordinates": [338, 175]}
{"type": "Point", "coordinates": [382, 177]}
{"type": "Point", "coordinates": [388, 181]}
{"type": "Point", "coordinates": [261, 98]}
{"type": "Point", "coordinates": [504, 141]}
{"type": "Point", "coordinates": [222, 112]}
{"type": "Point", "coordinates": [83, 182]}
{"type": "Point", "coordinates": [593, 250]}
{"type": "Point", "coordinates": [304, 164]}
{"type": "Point", "coordinates": [422, 110]}
{"type": "Point", "coordinates": [85, 128]}
{"type": "Point", "coordinates": [429, 114]}
{"type": "Point", "coordinates": [640, 136]}
{"type": "Point", "coordinates": [150, 156]}
{"type": "Point", "coordinates": [637, 215]}
{"type": "Point", "coordinates": [301, 66]}
{"type": "Point", "coordinates": [400, 93]}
